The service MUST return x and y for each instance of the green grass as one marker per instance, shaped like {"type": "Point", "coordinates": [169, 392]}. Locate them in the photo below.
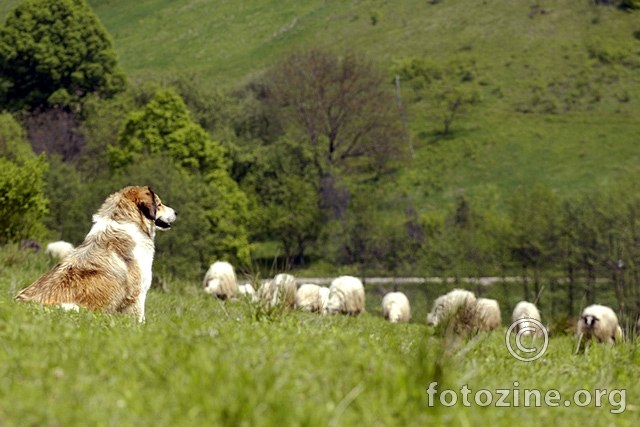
{"type": "Point", "coordinates": [199, 361]}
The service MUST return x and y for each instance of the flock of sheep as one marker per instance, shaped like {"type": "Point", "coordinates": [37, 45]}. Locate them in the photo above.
{"type": "Point", "coordinates": [346, 295]}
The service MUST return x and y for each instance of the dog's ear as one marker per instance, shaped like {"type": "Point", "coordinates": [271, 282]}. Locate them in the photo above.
{"type": "Point", "coordinates": [147, 202]}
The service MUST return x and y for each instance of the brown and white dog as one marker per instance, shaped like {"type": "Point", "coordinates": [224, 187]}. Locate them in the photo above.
{"type": "Point", "coordinates": [111, 270]}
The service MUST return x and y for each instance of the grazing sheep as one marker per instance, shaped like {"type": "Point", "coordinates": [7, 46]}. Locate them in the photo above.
{"type": "Point", "coordinates": [281, 289]}
{"type": "Point", "coordinates": [247, 290]}
{"type": "Point", "coordinates": [395, 307]}
{"type": "Point", "coordinates": [324, 297]}
{"type": "Point", "coordinates": [309, 298]}
{"type": "Point", "coordinates": [458, 302]}
{"type": "Point", "coordinates": [526, 310]}
{"type": "Point", "coordinates": [486, 314]}
{"type": "Point", "coordinates": [59, 249]}
{"type": "Point", "coordinates": [599, 322]}
{"type": "Point", "coordinates": [346, 296]}
{"type": "Point", "coordinates": [220, 280]}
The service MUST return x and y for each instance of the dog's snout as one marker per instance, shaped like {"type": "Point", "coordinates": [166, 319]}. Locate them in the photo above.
{"type": "Point", "coordinates": [175, 212]}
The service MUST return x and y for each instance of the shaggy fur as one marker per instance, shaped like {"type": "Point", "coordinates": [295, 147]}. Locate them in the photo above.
{"type": "Point", "coordinates": [59, 249]}
{"type": "Point", "coordinates": [526, 310]}
{"type": "Point", "coordinates": [309, 298]}
{"type": "Point", "coordinates": [346, 296]}
{"type": "Point", "coordinates": [111, 270]}
{"type": "Point", "coordinates": [599, 322]}
{"type": "Point", "coordinates": [486, 314]}
{"type": "Point", "coordinates": [282, 289]}
{"type": "Point", "coordinates": [458, 303]}
{"type": "Point", "coordinates": [220, 280]}
{"type": "Point", "coordinates": [396, 308]}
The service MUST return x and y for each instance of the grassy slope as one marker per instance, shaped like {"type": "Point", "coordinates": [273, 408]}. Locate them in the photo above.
{"type": "Point", "coordinates": [512, 47]}
{"type": "Point", "coordinates": [198, 361]}
{"type": "Point", "coordinates": [514, 44]}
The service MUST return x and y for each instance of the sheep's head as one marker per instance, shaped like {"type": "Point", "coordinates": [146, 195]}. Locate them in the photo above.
{"type": "Point", "coordinates": [590, 320]}
{"type": "Point", "coordinates": [432, 319]}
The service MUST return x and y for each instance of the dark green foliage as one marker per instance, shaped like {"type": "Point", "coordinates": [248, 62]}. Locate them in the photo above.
{"type": "Point", "coordinates": [22, 202]}
{"type": "Point", "coordinates": [160, 144]}
{"type": "Point", "coordinates": [55, 52]}
{"type": "Point", "coordinates": [164, 126]}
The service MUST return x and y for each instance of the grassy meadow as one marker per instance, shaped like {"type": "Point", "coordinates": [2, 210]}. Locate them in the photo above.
{"type": "Point", "coordinates": [199, 361]}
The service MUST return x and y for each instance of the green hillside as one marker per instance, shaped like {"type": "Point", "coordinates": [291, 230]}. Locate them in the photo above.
{"type": "Point", "coordinates": [515, 46]}
{"type": "Point", "coordinates": [570, 53]}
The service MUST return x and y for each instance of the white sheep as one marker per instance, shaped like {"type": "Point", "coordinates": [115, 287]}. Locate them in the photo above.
{"type": "Point", "coordinates": [59, 249]}
{"type": "Point", "coordinates": [599, 322]}
{"type": "Point", "coordinates": [220, 280]}
{"type": "Point", "coordinates": [526, 310]}
{"type": "Point", "coordinates": [458, 302]}
{"type": "Point", "coordinates": [282, 289]}
{"type": "Point", "coordinates": [309, 298]}
{"type": "Point", "coordinates": [247, 291]}
{"type": "Point", "coordinates": [346, 296]}
{"type": "Point", "coordinates": [396, 308]}
{"type": "Point", "coordinates": [486, 314]}
{"type": "Point", "coordinates": [324, 297]}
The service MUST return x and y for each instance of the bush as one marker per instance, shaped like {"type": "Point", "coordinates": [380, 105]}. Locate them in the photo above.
{"type": "Point", "coordinates": [22, 202]}
{"type": "Point", "coordinates": [54, 52]}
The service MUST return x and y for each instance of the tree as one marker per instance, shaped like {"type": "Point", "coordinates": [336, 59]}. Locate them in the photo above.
{"type": "Point", "coordinates": [22, 202]}
{"type": "Point", "coordinates": [164, 126]}
{"type": "Point", "coordinates": [54, 52]}
{"type": "Point", "coordinates": [450, 89]}
{"type": "Point", "coordinates": [160, 144]}
{"type": "Point", "coordinates": [289, 198]}
{"type": "Point", "coordinates": [342, 105]}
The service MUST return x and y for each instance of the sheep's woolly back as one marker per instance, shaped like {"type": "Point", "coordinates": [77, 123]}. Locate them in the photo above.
{"type": "Point", "coordinates": [395, 307]}
{"type": "Point", "coordinates": [526, 310]}
{"type": "Point", "coordinates": [486, 314]}
{"type": "Point", "coordinates": [220, 280]}
{"type": "Point", "coordinates": [458, 302]}
{"type": "Point", "coordinates": [308, 298]}
{"type": "Point", "coordinates": [346, 296]}
{"type": "Point", "coordinates": [282, 289]}
{"type": "Point", "coordinates": [324, 297]}
{"type": "Point", "coordinates": [599, 322]}
{"type": "Point", "coordinates": [247, 291]}
{"type": "Point", "coordinates": [59, 249]}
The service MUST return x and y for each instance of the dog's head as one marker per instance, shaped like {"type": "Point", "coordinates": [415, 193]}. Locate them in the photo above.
{"type": "Point", "coordinates": [152, 208]}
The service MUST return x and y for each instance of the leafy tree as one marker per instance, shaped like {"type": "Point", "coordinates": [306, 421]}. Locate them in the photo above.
{"type": "Point", "coordinates": [341, 105]}
{"type": "Point", "coordinates": [450, 89]}
{"type": "Point", "coordinates": [160, 144]}
{"type": "Point", "coordinates": [164, 126]}
{"type": "Point", "coordinates": [287, 192]}
{"type": "Point", "coordinates": [534, 214]}
{"type": "Point", "coordinates": [22, 202]}
{"type": "Point", "coordinates": [54, 52]}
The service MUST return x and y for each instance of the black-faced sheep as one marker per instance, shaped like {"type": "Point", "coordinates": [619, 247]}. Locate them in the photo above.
{"type": "Point", "coordinates": [346, 296]}
{"type": "Point", "coordinates": [599, 322]}
{"type": "Point", "coordinates": [59, 250]}
{"type": "Point", "coordinates": [486, 314]}
{"type": "Point", "coordinates": [526, 310]}
{"type": "Point", "coordinates": [220, 280]}
{"type": "Point", "coordinates": [396, 308]}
